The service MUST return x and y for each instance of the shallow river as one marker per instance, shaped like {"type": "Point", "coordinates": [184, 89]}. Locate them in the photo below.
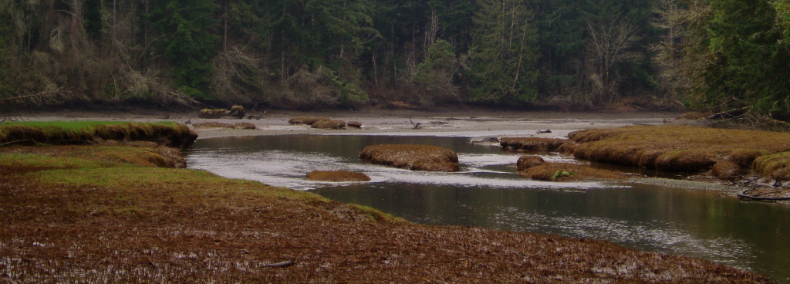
{"type": "Point", "coordinates": [487, 193]}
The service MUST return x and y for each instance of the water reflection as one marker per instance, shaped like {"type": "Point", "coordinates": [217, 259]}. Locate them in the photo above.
{"type": "Point", "coordinates": [487, 194]}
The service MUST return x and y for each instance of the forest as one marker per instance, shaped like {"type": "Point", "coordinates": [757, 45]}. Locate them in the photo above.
{"type": "Point", "coordinates": [306, 54]}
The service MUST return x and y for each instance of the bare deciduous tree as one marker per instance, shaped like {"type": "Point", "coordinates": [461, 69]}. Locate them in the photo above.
{"type": "Point", "coordinates": [609, 44]}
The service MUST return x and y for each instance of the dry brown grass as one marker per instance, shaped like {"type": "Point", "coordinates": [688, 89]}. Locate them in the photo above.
{"type": "Point", "coordinates": [413, 157]}
{"type": "Point", "coordinates": [775, 166]}
{"type": "Point", "coordinates": [676, 148]}
{"type": "Point", "coordinates": [355, 124]}
{"type": "Point", "coordinates": [325, 123]}
{"type": "Point", "coordinates": [570, 172]}
{"type": "Point", "coordinates": [213, 113]}
{"type": "Point", "coordinates": [531, 144]}
{"type": "Point", "coordinates": [726, 170]}
{"type": "Point", "coordinates": [337, 176]}
{"type": "Point", "coordinates": [526, 162]}
{"type": "Point", "coordinates": [143, 224]}
{"type": "Point", "coordinates": [307, 120]}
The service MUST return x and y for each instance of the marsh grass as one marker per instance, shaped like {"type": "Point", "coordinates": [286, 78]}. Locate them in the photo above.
{"type": "Point", "coordinates": [570, 172]}
{"type": "Point", "coordinates": [93, 218]}
{"type": "Point", "coordinates": [307, 120]}
{"type": "Point", "coordinates": [337, 176]}
{"type": "Point", "coordinates": [90, 132]}
{"type": "Point", "coordinates": [775, 166]}
{"type": "Point", "coordinates": [413, 157]}
{"type": "Point", "coordinates": [677, 148]}
{"type": "Point", "coordinates": [532, 144]}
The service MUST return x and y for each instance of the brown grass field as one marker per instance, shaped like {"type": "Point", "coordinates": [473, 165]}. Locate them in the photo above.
{"type": "Point", "coordinates": [413, 157]}
{"type": "Point", "coordinates": [684, 148]}
{"type": "Point", "coordinates": [104, 214]}
{"type": "Point", "coordinates": [569, 172]}
{"type": "Point", "coordinates": [337, 176]}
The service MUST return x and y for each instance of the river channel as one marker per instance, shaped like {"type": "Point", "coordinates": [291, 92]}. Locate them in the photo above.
{"type": "Point", "coordinates": [487, 193]}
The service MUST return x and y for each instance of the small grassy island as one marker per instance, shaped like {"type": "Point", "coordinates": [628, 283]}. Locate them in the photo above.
{"type": "Point", "coordinates": [111, 213]}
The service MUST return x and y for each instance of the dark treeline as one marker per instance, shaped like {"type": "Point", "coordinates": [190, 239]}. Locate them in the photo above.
{"type": "Point", "coordinates": [714, 54]}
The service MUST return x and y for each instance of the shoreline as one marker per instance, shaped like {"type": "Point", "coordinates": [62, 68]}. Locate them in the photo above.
{"type": "Point", "coordinates": [161, 223]}
{"type": "Point", "coordinates": [454, 123]}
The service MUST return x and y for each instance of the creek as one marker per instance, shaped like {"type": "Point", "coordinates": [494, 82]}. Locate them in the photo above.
{"type": "Point", "coordinates": [487, 193]}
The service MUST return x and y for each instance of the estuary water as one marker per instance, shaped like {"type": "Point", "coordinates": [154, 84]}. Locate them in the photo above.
{"type": "Point", "coordinates": [488, 193]}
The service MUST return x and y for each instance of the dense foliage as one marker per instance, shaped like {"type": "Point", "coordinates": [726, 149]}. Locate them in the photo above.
{"type": "Point", "coordinates": [715, 54]}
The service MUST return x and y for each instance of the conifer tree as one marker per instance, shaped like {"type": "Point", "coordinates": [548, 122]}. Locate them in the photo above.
{"type": "Point", "coordinates": [187, 41]}
{"type": "Point", "coordinates": [504, 54]}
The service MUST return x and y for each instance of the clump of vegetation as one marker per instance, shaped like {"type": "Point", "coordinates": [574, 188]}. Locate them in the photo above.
{"type": "Point", "coordinates": [89, 132]}
{"type": "Point", "coordinates": [354, 124]}
{"type": "Point", "coordinates": [677, 148]}
{"type": "Point", "coordinates": [526, 162]}
{"type": "Point", "coordinates": [213, 113]}
{"type": "Point", "coordinates": [318, 122]}
{"type": "Point", "coordinates": [570, 172]}
{"type": "Point", "coordinates": [306, 120]}
{"type": "Point", "coordinates": [236, 111]}
{"type": "Point", "coordinates": [337, 176]}
{"type": "Point", "coordinates": [413, 157]}
{"type": "Point", "coordinates": [326, 123]}
{"type": "Point", "coordinates": [532, 144]}
{"type": "Point", "coordinates": [240, 125]}
{"type": "Point", "coordinates": [775, 166]}
{"type": "Point", "coordinates": [726, 170]}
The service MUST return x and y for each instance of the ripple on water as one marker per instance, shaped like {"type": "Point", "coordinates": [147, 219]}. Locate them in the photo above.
{"type": "Point", "coordinates": [651, 236]}
{"type": "Point", "coordinates": [288, 169]}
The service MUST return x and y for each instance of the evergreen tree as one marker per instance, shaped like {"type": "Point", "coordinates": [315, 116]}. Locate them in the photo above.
{"type": "Point", "coordinates": [750, 56]}
{"type": "Point", "coordinates": [187, 41]}
{"type": "Point", "coordinates": [504, 54]}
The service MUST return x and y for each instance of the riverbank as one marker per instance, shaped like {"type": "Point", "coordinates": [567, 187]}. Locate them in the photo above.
{"type": "Point", "coordinates": [76, 213]}
{"type": "Point", "coordinates": [455, 123]}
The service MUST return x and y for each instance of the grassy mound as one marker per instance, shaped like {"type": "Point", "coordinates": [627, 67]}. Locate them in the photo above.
{"type": "Point", "coordinates": [726, 170]}
{"type": "Point", "coordinates": [307, 120]}
{"type": "Point", "coordinates": [532, 144]}
{"type": "Point", "coordinates": [413, 157]}
{"type": "Point", "coordinates": [526, 162]}
{"type": "Point", "coordinates": [775, 166]}
{"type": "Point", "coordinates": [81, 218]}
{"type": "Point", "coordinates": [337, 176]}
{"type": "Point", "coordinates": [325, 123]}
{"type": "Point", "coordinates": [355, 124]}
{"type": "Point", "coordinates": [87, 132]}
{"type": "Point", "coordinates": [677, 148]}
{"type": "Point", "coordinates": [570, 172]}
{"type": "Point", "coordinates": [213, 113]}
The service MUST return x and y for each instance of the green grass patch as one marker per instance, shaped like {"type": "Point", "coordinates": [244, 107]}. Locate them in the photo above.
{"type": "Point", "coordinates": [87, 132]}
{"type": "Point", "coordinates": [33, 160]}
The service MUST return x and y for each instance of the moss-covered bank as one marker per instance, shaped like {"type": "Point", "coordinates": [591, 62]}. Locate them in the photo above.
{"type": "Point", "coordinates": [89, 132]}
